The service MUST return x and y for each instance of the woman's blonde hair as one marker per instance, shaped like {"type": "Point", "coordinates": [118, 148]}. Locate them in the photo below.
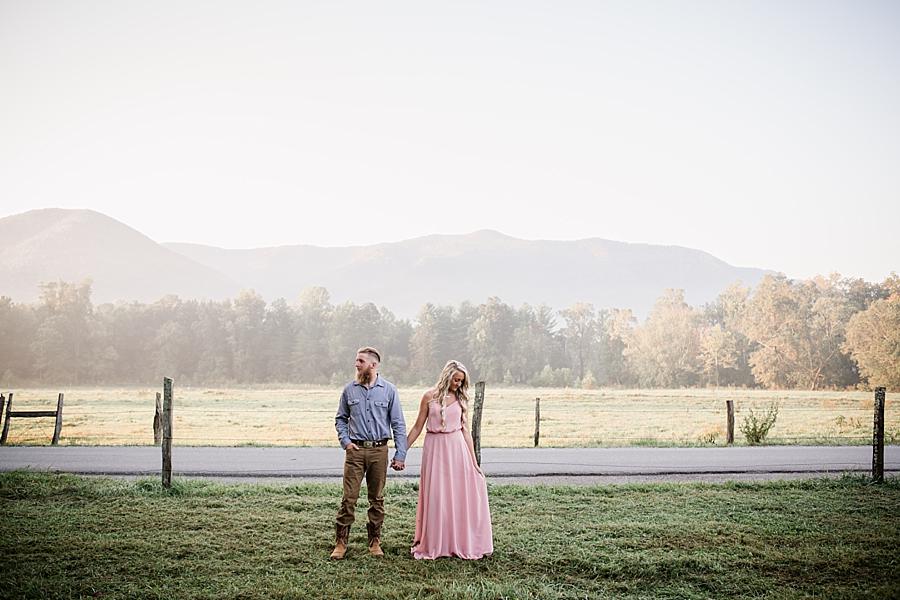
{"type": "Point", "coordinates": [442, 388]}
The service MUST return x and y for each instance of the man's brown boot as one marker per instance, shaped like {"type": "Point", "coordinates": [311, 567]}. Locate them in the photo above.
{"type": "Point", "coordinates": [341, 539]}
{"type": "Point", "coordinates": [374, 540]}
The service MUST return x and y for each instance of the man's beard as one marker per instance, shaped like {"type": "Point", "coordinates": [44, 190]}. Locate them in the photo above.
{"type": "Point", "coordinates": [365, 376]}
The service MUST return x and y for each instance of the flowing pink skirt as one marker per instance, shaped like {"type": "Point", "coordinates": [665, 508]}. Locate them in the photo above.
{"type": "Point", "coordinates": [453, 517]}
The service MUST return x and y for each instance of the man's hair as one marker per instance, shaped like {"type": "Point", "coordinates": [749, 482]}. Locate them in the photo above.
{"type": "Point", "coordinates": [371, 352]}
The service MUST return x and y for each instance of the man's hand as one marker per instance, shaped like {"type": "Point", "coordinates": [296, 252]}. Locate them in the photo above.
{"type": "Point", "coordinates": [398, 465]}
{"type": "Point", "coordinates": [351, 446]}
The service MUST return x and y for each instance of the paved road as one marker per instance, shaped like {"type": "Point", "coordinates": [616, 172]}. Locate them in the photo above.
{"type": "Point", "coordinates": [556, 465]}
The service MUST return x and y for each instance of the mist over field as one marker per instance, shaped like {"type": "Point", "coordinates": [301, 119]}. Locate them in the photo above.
{"type": "Point", "coordinates": [826, 333]}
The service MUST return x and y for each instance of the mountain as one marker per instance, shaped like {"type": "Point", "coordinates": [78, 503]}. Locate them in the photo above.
{"type": "Point", "coordinates": [72, 245]}
{"type": "Point", "coordinates": [54, 244]}
{"type": "Point", "coordinates": [448, 269]}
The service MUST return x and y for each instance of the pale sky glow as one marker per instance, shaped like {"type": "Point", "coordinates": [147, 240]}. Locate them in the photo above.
{"type": "Point", "coordinates": [765, 133]}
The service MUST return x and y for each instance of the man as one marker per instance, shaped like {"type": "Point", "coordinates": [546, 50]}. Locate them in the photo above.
{"type": "Point", "coordinates": [368, 412]}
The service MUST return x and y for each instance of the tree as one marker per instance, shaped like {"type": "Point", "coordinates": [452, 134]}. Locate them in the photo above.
{"type": "Point", "coordinates": [395, 337]}
{"type": "Point", "coordinates": [580, 335]}
{"type": "Point", "coordinates": [860, 293]}
{"type": "Point", "coordinates": [430, 345]}
{"type": "Point", "coordinates": [665, 350]}
{"type": "Point", "coordinates": [873, 341]}
{"type": "Point", "coordinates": [212, 330]}
{"type": "Point", "coordinates": [311, 360]}
{"type": "Point", "coordinates": [490, 340]}
{"type": "Point", "coordinates": [174, 350]}
{"type": "Point", "coordinates": [248, 339]}
{"type": "Point", "coordinates": [352, 326]}
{"type": "Point", "coordinates": [279, 335]}
{"type": "Point", "coordinates": [535, 343]}
{"type": "Point", "coordinates": [464, 316]}
{"type": "Point", "coordinates": [727, 314]}
{"type": "Point", "coordinates": [798, 329]}
{"type": "Point", "coordinates": [618, 326]}
{"type": "Point", "coordinates": [18, 325]}
{"type": "Point", "coordinates": [62, 345]}
{"type": "Point", "coordinates": [718, 350]}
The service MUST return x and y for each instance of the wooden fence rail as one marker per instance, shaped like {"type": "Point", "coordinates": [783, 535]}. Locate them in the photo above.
{"type": "Point", "coordinates": [30, 414]}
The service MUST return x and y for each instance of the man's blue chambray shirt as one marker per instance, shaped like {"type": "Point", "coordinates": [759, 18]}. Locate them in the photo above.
{"type": "Point", "coordinates": [371, 414]}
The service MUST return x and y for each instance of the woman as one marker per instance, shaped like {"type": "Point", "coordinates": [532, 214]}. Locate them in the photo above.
{"type": "Point", "coordinates": [453, 517]}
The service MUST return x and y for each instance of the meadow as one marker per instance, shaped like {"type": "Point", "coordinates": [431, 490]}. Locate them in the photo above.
{"type": "Point", "coordinates": [65, 536]}
{"type": "Point", "coordinates": [304, 416]}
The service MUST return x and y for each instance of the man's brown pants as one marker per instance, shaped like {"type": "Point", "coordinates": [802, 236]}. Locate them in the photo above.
{"type": "Point", "coordinates": [371, 463]}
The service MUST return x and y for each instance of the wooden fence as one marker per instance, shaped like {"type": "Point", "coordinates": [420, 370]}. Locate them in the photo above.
{"type": "Point", "coordinates": [163, 421]}
{"type": "Point", "coordinates": [26, 414]}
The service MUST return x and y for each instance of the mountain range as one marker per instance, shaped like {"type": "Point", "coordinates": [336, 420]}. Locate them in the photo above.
{"type": "Point", "coordinates": [125, 265]}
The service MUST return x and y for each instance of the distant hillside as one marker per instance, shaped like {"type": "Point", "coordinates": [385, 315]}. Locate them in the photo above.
{"type": "Point", "coordinates": [448, 269]}
{"type": "Point", "coordinates": [52, 244]}
{"type": "Point", "coordinates": [71, 245]}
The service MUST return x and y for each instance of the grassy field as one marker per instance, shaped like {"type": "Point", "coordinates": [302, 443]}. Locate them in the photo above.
{"type": "Point", "coordinates": [70, 537]}
{"type": "Point", "coordinates": [569, 417]}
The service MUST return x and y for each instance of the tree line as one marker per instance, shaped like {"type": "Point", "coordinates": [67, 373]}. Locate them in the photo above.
{"type": "Point", "coordinates": [826, 332]}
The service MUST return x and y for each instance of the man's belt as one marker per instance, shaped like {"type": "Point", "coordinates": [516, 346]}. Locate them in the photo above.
{"type": "Point", "coordinates": [370, 443]}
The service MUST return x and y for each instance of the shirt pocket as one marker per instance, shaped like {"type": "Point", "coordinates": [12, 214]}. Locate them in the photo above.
{"type": "Point", "coordinates": [381, 407]}
{"type": "Point", "coordinates": [354, 405]}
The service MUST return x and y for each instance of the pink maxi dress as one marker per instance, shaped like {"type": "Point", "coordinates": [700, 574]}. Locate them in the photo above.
{"type": "Point", "coordinates": [453, 517]}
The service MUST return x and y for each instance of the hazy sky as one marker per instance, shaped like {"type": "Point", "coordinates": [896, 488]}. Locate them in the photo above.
{"type": "Point", "coordinates": [766, 133]}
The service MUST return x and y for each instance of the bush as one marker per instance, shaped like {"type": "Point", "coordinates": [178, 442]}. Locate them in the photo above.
{"type": "Point", "coordinates": [710, 436]}
{"type": "Point", "coordinates": [588, 382]}
{"type": "Point", "coordinates": [755, 427]}
{"type": "Point", "coordinates": [549, 377]}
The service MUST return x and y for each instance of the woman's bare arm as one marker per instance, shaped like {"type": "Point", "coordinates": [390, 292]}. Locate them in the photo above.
{"type": "Point", "coordinates": [420, 420]}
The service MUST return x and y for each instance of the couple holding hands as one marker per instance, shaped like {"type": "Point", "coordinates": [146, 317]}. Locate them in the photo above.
{"type": "Point", "coordinates": [452, 516]}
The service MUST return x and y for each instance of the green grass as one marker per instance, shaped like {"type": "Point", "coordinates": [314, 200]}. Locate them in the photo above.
{"type": "Point", "coordinates": [63, 536]}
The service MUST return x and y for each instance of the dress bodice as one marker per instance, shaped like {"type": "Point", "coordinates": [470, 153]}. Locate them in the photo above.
{"type": "Point", "coordinates": [452, 417]}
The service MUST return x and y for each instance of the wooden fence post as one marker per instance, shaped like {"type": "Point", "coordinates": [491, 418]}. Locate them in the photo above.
{"type": "Point", "coordinates": [157, 421]}
{"type": "Point", "coordinates": [2, 405]}
{"type": "Point", "coordinates": [57, 429]}
{"type": "Point", "coordinates": [537, 422]}
{"type": "Point", "coordinates": [729, 431]}
{"type": "Point", "coordinates": [167, 433]}
{"type": "Point", "coordinates": [878, 438]}
{"type": "Point", "coordinates": [6, 420]}
{"type": "Point", "coordinates": [476, 420]}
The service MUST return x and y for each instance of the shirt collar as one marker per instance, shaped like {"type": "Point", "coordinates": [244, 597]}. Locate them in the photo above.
{"type": "Point", "coordinates": [379, 382]}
